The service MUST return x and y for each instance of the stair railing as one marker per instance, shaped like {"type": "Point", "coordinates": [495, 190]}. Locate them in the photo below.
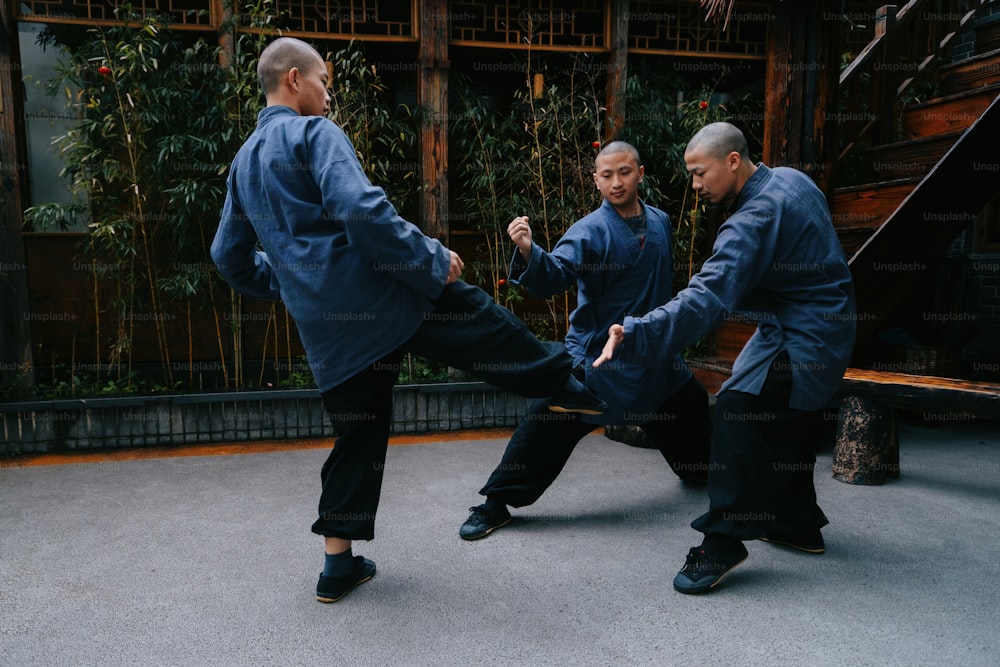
{"type": "Point", "coordinates": [907, 43]}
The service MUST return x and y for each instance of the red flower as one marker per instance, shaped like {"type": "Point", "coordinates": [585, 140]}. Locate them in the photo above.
{"type": "Point", "coordinates": [596, 144]}
{"type": "Point", "coordinates": [104, 70]}
{"type": "Point", "coordinates": [703, 105]}
{"type": "Point", "coordinates": [501, 282]}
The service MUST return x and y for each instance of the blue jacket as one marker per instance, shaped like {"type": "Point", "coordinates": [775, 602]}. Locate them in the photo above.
{"type": "Point", "coordinates": [778, 256]}
{"type": "Point", "coordinates": [357, 278]}
{"type": "Point", "coordinates": [615, 277]}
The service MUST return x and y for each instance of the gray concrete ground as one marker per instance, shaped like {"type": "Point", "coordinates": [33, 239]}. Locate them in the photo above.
{"type": "Point", "coordinates": [209, 561]}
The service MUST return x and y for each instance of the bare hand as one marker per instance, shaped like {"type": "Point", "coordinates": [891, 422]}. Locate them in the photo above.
{"type": "Point", "coordinates": [455, 268]}
{"type": "Point", "coordinates": [616, 336]}
{"type": "Point", "coordinates": [519, 232]}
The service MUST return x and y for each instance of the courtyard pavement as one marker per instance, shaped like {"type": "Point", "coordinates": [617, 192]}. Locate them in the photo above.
{"type": "Point", "coordinates": [208, 560]}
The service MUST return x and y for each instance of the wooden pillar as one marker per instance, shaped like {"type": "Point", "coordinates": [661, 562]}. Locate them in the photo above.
{"type": "Point", "coordinates": [433, 99]}
{"type": "Point", "coordinates": [867, 445]}
{"type": "Point", "coordinates": [801, 84]}
{"type": "Point", "coordinates": [222, 14]}
{"type": "Point", "coordinates": [15, 332]}
{"type": "Point", "coordinates": [617, 67]}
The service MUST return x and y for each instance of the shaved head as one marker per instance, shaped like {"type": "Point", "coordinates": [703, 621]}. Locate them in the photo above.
{"type": "Point", "coordinates": [719, 140]}
{"type": "Point", "coordinates": [620, 147]}
{"type": "Point", "coordinates": [282, 55]}
{"type": "Point", "coordinates": [718, 160]}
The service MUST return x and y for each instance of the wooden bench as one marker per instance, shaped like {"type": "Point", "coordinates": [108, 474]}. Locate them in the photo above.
{"type": "Point", "coordinates": [866, 446]}
{"type": "Point", "coordinates": [866, 450]}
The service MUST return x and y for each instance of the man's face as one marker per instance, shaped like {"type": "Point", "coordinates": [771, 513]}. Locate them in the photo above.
{"type": "Point", "coordinates": [713, 178]}
{"type": "Point", "coordinates": [618, 176]}
{"type": "Point", "coordinates": [314, 95]}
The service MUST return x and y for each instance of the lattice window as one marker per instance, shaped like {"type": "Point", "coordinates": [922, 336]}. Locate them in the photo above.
{"type": "Point", "coordinates": [363, 18]}
{"type": "Point", "coordinates": [680, 29]}
{"type": "Point", "coordinates": [194, 13]}
{"type": "Point", "coordinates": [541, 23]}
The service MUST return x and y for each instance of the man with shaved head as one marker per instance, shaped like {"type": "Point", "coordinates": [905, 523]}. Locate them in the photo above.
{"type": "Point", "coordinates": [302, 224]}
{"type": "Point", "coordinates": [620, 257]}
{"type": "Point", "coordinates": [776, 256]}
{"type": "Point", "coordinates": [719, 140]}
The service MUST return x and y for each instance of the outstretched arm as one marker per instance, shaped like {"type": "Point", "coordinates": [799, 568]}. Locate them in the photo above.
{"type": "Point", "coordinates": [546, 273]}
{"type": "Point", "coordinates": [616, 336]}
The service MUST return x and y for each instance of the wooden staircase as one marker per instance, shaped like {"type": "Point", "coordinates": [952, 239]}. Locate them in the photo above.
{"type": "Point", "coordinates": [929, 186]}
{"type": "Point", "coordinates": [926, 174]}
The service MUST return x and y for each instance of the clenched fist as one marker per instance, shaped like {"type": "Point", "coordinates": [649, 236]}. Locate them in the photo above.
{"type": "Point", "coordinates": [519, 232]}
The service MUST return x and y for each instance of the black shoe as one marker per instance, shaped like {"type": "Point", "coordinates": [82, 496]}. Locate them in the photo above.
{"type": "Point", "coordinates": [809, 541]}
{"type": "Point", "coordinates": [331, 589]}
{"type": "Point", "coordinates": [703, 571]}
{"type": "Point", "coordinates": [575, 397]}
{"type": "Point", "coordinates": [483, 521]}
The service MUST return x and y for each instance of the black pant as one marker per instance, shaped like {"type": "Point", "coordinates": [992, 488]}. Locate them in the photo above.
{"type": "Point", "coordinates": [763, 456]}
{"type": "Point", "coordinates": [543, 442]}
{"type": "Point", "coordinates": [467, 330]}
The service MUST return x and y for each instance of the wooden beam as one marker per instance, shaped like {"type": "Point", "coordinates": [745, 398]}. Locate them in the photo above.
{"type": "Point", "coordinates": [15, 331]}
{"type": "Point", "coordinates": [777, 103]}
{"type": "Point", "coordinates": [222, 14]}
{"type": "Point", "coordinates": [906, 391]}
{"type": "Point", "coordinates": [433, 99]}
{"type": "Point", "coordinates": [801, 90]}
{"type": "Point", "coordinates": [617, 67]}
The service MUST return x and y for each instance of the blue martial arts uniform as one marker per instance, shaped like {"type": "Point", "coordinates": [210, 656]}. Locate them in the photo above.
{"type": "Point", "coordinates": [357, 279]}
{"type": "Point", "coordinates": [364, 286]}
{"type": "Point", "coordinates": [778, 256]}
{"type": "Point", "coordinates": [617, 275]}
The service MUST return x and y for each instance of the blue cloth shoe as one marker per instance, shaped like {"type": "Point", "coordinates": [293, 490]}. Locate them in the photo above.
{"type": "Point", "coordinates": [331, 589]}
{"type": "Point", "coordinates": [704, 570]}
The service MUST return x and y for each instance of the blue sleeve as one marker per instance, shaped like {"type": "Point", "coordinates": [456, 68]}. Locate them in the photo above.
{"type": "Point", "coordinates": [741, 256]}
{"type": "Point", "coordinates": [234, 251]}
{"type": "Point", "coordinates": [372, 224]}
{"type": "Point", "coordinates": [548, 273]}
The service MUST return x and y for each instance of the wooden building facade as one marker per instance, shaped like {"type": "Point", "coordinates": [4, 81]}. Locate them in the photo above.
{"type": "Point", "coordinates": [789, 53]}
{"type": "Point", "coordinates": [418, 47]}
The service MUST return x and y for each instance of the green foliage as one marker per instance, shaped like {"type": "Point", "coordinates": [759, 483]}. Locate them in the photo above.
{"type": "Point", "coordinates": [15, 384]}
{"type": "Point", "coordinates": [161, 115]}
{"type": "Point", "coordinates": [147, 164]}
{"type": "Point", "coordinates": [418, 370]}
{"type": "Point", "coordinates": [534, 160]}
{"type": "Point", "coordinates": [537, 159]}
{"type": "Point", "coordinates": [412, 370]}
{"type": "Point", "coordinates": [163, 112]}
{"type": "Point", "coordinates": [385, 138]}
{"type": "Point", "coordinates": [65, 383]}
{"type": "Point", "coordinates": [299, 376]}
